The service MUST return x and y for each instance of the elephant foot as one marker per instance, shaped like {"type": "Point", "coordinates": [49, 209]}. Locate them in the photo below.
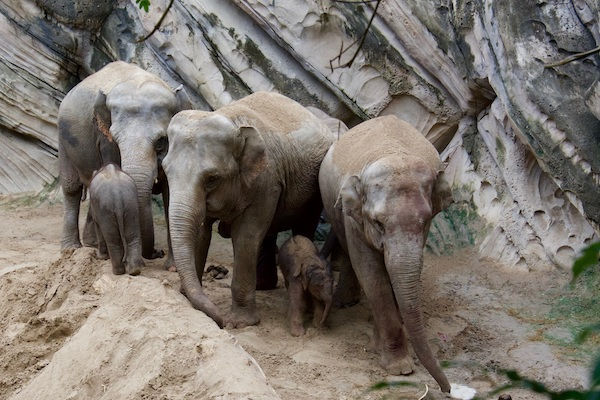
{"type": "Point", "coordinates": [397, 364]}
{"type": "Point", "coordinates": [297, 329]}
{"type": "Point", "coordinates": [169, 264]}
{"type": "Point", "coordinates": [119, 270]}
{"type": "Point", "coordinates": [242, 318]}
{"type": "Point", "coordinates": [155, 254]}
{"type": "Point", "coordinates": [70, 245]}
{"type": "Point", "coordinates": [134, 271]}
{"type": "Point", "coordinates": [101, 255]}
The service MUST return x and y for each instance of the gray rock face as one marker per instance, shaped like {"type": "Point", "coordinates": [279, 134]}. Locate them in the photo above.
{"type": "Point", "coordinates": [521, 140]}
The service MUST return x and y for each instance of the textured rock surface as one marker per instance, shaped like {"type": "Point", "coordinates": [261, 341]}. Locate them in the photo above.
{"type": "Point", "coordinates": [522, 140]}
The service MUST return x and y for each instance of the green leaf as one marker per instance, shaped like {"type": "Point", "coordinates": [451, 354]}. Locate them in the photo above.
{"type": "Point", "coordinates": [145, 4]}
{"type": "Point", "coordinates": [587, 331]}
{"type": "Point", "coordinates": [588, 258]}
{"type": "Point", "coordinates": [592, 396]}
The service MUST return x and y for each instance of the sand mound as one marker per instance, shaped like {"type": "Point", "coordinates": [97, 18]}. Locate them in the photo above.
{"type": "Point", "coordinates": [132, 337]}
{"type": "Point", "coordinates": [40, 307]}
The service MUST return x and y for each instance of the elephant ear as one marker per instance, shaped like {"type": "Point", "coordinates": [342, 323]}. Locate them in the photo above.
{"type": "Point", "coordinates": [350, 199]}
{"type": "Point", "coordinates": [304, 275]}
{"type": "Point", "coordinates": [252, 156]}
{"type": "Point", "coordinates": [101, 120]}
{"type": "Point", "coordinates": [441, 196]}
{"type": "Point", "coordinates": [299, 272]}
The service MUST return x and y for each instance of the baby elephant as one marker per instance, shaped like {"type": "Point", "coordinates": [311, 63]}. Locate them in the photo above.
{"type": "Point", "coordinates": [114, 208]}
{"type": "Point", "coordinates": [308, 281]}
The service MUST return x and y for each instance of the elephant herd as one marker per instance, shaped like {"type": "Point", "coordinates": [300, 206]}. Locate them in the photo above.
{"type": "Point", "coordinates": [258, 166]}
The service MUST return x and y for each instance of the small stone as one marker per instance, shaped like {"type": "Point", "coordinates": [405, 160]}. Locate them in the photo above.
{"type": "Point", "coordinates": [41, 364]}
{"type": "Point", "coordinates": [505, 397]}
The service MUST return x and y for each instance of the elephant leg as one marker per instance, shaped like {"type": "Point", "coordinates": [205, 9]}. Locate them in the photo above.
{"type": "Point", "coordinates": [347, 290]}
{"type": "Point", "coordinates": [89, 238]}
{"type": "Point", "coordinates": [72, 190]}
{"type": "Point", "coordinates": [310, 220]}
{"type": "Point", "coordinates": [169, 264]}
{"type": "Point", "coordinates": [296, 308]}
{"type": "Point", "coordinates": [373, 277]}
{"type": "Point", "coordinates": [114, 243]}
{"type": "Point", "coordinates": [102, 252]}
{"type": "Point", "coordinates": [133, 248]}
{"type": "Point", "coordinates": [266, 269]}
{"type": "Point", "coordinates": [247, 234]}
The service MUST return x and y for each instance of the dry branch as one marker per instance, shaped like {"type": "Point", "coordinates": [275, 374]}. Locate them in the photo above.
{"type": "Point", "coordinates": [160, 21]}
{"type": "Point", "coordinates": [360, 41]}
{"type": "Point", "coordinates": [573, 58]}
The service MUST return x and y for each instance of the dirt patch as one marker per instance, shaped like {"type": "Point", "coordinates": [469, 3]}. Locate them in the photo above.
{"type": "Point", "coordinates": [479, 315]}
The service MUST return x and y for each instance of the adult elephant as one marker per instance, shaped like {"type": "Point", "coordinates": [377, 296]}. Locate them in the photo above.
{"type": "Point", "coordinates": [119, 114]}
{"type": "Point", "coordinates": [381, 186]}
{"type": "Point", "coordinates": [253, 165]}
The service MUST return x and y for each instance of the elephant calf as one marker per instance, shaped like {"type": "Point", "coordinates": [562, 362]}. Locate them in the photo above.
{"type": "Point", "coordinates": [308, 280]}
{"type": "Point", "coordinates": [114, 208]}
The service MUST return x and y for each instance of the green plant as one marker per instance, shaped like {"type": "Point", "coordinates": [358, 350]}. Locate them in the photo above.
{"type": "Point", "coordinates": [144, 4]}
{"type": "Point", "coordinates": [587, 260]}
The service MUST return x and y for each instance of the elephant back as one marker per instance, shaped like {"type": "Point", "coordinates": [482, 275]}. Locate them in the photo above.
{"type": "Point", "coordinates": [117, 72]}
{"type": "Point", "coordinates": [381, 137]}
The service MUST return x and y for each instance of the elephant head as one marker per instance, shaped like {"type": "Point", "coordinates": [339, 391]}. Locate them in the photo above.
{"type": "Point", "coordinates": [392, 202]}
{"type": "Point", "coordinates": [316, 277]}
{"type": "Point", "coordinates": [211, 166]}
{"type": "Point", "coordinates": [135, 116]}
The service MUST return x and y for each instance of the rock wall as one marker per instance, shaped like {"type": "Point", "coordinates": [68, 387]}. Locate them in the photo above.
{"type": "Point", "coordinates": [521, 140]}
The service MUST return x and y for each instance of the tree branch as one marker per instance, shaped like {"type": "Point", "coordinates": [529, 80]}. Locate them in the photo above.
{"type": "Point", "coordinates": [160, 21]}
{"type": "Point", "coordinates": [572, 58]}
{"type": "Point", "coordinates": [360, 41]}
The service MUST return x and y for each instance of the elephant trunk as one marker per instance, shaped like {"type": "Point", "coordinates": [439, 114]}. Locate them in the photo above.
{"type": "Point", "coordinates": [328, 302]}
{"type": "Point", "coordinates": [404, 261]}
{"type": "Point", "coordinates": [185, 217]}
{"type": "Point", "coordinates": [144, 177]}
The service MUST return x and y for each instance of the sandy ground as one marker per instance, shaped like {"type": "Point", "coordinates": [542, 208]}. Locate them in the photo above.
{"type": "Point", "coordinates": [480, 315]}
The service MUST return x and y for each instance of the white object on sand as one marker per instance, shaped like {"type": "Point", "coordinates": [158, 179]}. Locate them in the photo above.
{"type": "Point", "coordinates": [461, 392]}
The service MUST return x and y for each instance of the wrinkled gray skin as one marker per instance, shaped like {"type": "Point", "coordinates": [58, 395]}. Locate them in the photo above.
{"type": "Point", "coordinates": [252, 164]}
{"type": "Point", "coordinates": [119, 114]}
{"type": "Point", "coordinates": [308, 281]}
{"type": "Point", "coordinates": [381, 186]}
{"type": "Point", "coordinates": [114, 209]}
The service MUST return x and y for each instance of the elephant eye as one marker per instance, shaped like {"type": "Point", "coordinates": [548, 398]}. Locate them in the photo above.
{"type": "Point", "coordinates": [379, 226]}
{"type": "Point", "coordinates": [212, 181]}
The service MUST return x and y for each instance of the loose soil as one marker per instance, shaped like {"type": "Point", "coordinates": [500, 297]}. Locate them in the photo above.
{"type": "Point", "coordinates": [481, 316]}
